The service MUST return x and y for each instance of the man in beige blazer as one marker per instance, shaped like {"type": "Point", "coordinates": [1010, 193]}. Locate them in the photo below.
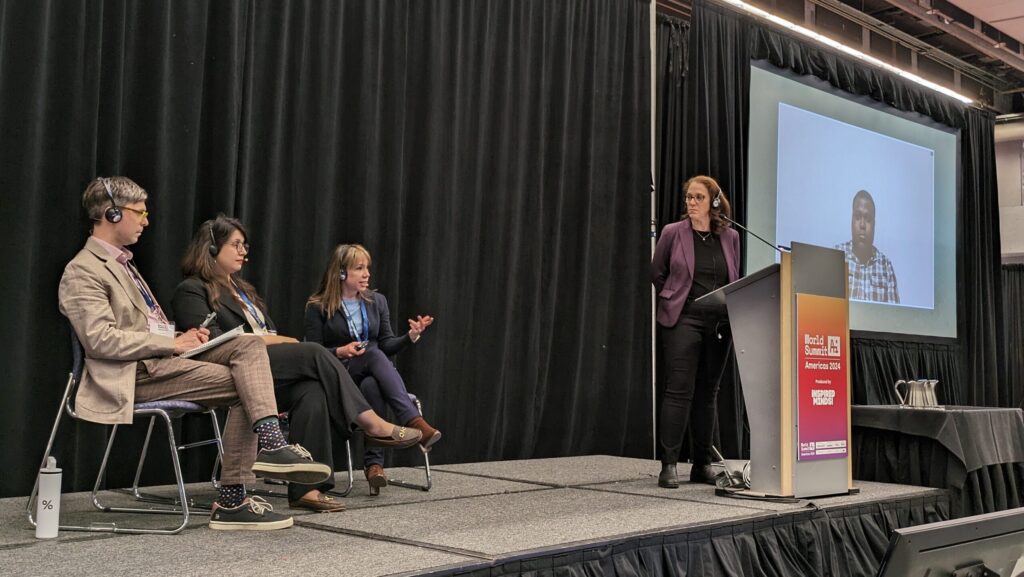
{"type": "Point", "coordinates": [130, 349]}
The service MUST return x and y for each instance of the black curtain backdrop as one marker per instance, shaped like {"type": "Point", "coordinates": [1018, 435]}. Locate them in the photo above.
{"type": "Point", "coordinates": [493, 156]}
{"type": "Point", "coordinates": [702, 128]}
{"type": "Point", "coordinates": [722, 44]}
{"type": "Point", "coordinates": [673, 42]}
{"type": "Point", "coordinates": [1013, 327]}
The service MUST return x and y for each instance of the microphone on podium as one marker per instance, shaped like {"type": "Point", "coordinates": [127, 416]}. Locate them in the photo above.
{"type": "Point", "coordinates": [779, 248]}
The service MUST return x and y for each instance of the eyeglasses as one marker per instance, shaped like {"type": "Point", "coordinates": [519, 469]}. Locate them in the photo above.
{"type": "Point", "coordinates": [698, 198]}
{"type": "Point", "coordinates": [143, 214]}
{"type": "Point", "coordinates": [240, 246]}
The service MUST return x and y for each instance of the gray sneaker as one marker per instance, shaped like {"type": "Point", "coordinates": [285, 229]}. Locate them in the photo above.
{"type": "Point", "coordinates": [291, 463]}
{"type": "Point", "coordinates": [254, 514]}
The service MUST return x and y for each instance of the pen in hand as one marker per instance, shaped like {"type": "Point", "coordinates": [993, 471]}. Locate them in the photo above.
{"type": "Point", "coordinates": [209, 319]}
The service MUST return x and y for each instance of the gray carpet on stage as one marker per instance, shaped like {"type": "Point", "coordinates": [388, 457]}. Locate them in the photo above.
{"type": "Point", "coordinates": [296, 551]}
{"type": "Point", "coordinates": [502, 524]}
{"type": "Point", "coordinates": [475, 513]}
{"type": "Point", "coordinates": [562, 472]}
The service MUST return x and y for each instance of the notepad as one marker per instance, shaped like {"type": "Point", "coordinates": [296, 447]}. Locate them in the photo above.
{"type": "Point", "coordinates": [223, 338]}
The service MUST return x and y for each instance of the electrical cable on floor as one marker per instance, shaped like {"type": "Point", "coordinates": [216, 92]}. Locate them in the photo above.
{"type": "Point", "coordinates": [733, 484]}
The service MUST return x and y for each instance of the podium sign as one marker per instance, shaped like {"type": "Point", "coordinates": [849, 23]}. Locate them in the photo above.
{"type": "Point", "coordinates": [822, 419]}
{"type": "Point", "coordinates": [791, 334]}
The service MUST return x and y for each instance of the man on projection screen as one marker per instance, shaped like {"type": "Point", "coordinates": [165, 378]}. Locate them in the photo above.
{"type": "Point", "coordinates": [871, 276]}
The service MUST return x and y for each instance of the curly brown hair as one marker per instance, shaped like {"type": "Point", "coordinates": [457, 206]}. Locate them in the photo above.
{"type": "Point", "coordinates": [718, 224]}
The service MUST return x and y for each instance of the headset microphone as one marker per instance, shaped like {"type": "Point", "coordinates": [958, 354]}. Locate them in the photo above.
{"type": "Point", "coordinates": [344, 250]}
{"type": "Point", "coordinates": [718, 200]}
{"type": "Point", "coordinates": [112, 214]}
{"type": "Point", "coordinates": [214, 251]}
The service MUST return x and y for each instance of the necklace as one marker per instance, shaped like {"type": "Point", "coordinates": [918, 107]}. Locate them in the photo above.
{"type": "Point", "coordinates": [703, 237]}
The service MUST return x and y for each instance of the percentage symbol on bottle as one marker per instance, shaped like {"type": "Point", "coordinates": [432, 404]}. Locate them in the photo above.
{"type": "Point", "coordinates": [47, 504]}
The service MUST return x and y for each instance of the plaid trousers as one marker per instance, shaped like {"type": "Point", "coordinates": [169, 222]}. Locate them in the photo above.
{"type": "Point", "coordinates": [236, 375]}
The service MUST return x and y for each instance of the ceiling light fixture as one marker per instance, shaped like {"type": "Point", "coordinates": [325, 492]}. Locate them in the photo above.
{"type": "Point", "coordinates": [846, 49]}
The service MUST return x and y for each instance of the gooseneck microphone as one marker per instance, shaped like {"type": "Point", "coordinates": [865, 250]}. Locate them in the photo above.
{"type": "Point", "coordinates": [781, 249]}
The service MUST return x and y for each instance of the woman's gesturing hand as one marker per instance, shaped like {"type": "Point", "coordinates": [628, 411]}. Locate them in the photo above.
{"type": "Point", "coordinates": [418, 325]}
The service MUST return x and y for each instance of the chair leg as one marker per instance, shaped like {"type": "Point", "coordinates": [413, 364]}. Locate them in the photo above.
{"type": "Point", "coordinates": [142, 458]}
{"type": "Point", "coordinates": [103, 470]}
{"type": "Point", "coordinates": [426, 464]}
{"type": "Point", "coordinates": [410, 485]}
{"type": "Point", "coordinates": [351, 482]}
{"type": "Point", "coordinates": [30, 505]}
{"type": "Point", "coordinates": [177, 474]}
{"type": "Point", "coordinates": [182, 511]}
{"type": "Point", "coordinates": [220, 449]}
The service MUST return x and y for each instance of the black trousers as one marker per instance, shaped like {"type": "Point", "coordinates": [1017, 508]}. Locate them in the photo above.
{"type": "Point", "coordinates": [696, 350]}
{"type": "Point", "coordinates": [316, 390]}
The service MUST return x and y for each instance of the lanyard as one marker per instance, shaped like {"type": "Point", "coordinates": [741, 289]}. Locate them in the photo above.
{"type": "Point", "coordinates": [365, 333]}
{"type": "Point", "coordinates": [137, 279]}
{"type": "Point", "coordinates": [252, 308]}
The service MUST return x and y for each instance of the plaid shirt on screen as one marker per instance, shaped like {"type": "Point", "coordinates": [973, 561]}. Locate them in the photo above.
{"type": "Point", "coordinates": [873, 281]}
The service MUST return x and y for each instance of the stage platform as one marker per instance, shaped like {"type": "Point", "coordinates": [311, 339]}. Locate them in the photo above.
{"type": "Point", "coordinates": [592, 515]}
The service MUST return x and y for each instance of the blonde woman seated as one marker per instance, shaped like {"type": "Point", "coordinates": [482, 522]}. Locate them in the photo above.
{"type": "Point", "coordinates": [354, 323]}
{"type": "Point", "coordinates": [309, 383]}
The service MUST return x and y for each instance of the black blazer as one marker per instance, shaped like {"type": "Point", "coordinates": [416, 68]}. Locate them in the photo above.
{"type": "Point", "coordinates": [190, 307]}
{"type": "Point", "coordinates": [333, 332]}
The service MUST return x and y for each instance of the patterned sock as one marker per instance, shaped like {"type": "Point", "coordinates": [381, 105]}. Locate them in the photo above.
{"type": "Point", "coordinates": [231, 495]}
{"type": "Point", "coordinates": [270, 435]}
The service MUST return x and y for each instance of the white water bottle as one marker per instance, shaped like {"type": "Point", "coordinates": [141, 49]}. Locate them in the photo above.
{"type": "Point", "coordinates": [48, 500]}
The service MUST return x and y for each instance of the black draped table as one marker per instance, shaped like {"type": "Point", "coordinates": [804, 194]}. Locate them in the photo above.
{"type": "Point", "coordinates": [975, 452]}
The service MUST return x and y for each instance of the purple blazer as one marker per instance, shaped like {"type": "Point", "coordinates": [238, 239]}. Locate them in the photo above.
{"type": "Point", "coordinates": [672, 267]}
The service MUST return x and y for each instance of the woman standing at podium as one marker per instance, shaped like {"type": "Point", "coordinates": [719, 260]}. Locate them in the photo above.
{"type": "Point", "coordinates": [694, 257]}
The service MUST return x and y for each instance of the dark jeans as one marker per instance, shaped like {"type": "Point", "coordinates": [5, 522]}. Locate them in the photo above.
{"type": "Point", "coordinates": [696, 350]}
{"type": "Point", "coordinates": [383, 387]}
{"type": "Point", "coordinates": [321, 400]}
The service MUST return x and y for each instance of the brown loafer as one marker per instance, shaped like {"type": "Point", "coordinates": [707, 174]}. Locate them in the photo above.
{"type": "Point", "coordinates": [430, 434]}
{"type": "Point", "coordinates": [323, 503]}
{"type": "Point", "coordinates": [401, 437]}
{"type": "Point", "coordinates": [376, 479]}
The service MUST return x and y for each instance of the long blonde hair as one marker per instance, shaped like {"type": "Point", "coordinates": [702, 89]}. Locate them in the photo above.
{"type": "Point", "coordinates": [328, 296]}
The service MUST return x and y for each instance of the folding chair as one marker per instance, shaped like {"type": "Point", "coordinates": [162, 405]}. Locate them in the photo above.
{"type": "Point", "coordinates": [348, 489]}
{"type": "Point", "coordinates": [166, 410]}
{"type": "Point", "coordinates": [426, 460]}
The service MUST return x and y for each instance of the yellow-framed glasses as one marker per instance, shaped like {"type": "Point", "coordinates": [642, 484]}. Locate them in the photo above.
{"type": "Point", "coordinates": [143, 214]}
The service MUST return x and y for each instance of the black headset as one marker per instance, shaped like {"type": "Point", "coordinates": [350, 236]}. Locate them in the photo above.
{"type": "Point", "coordinates": [343, 275]}
{"type": "Point", "coordinates": [214, 249]}
{"type": "Point", "coordinates": [112, 214]}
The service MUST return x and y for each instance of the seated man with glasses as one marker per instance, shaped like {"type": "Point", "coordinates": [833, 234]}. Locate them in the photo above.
{"type": "Point", "coordinates": [131, 347]}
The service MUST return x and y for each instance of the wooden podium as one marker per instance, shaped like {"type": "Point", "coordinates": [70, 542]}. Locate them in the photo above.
{"type": "Point", "coordinates": [790, 325]}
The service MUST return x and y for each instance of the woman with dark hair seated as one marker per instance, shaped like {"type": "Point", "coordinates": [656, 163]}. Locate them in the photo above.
{"type": "Point", "coordinates": [309, 382]}
{"type": "Point", "coordinates": [354, 323]}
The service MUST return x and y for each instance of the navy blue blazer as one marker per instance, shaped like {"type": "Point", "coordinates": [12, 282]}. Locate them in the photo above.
{"type": "Point", "coordinates": [333, 332]}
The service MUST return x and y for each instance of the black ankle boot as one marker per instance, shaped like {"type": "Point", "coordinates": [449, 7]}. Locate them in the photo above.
{"type": "Point", "coordinates": [702, 474]}
{"type": "Point", "coordinates": [668, 478]}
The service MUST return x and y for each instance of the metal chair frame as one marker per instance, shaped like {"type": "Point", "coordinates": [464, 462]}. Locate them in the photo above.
{"type": "Point", "coordinates": [351, 482]}
{"type": "Point", "coordinates": [177, 506]}
{"type": "Point", "coordinates": [426, 460]}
